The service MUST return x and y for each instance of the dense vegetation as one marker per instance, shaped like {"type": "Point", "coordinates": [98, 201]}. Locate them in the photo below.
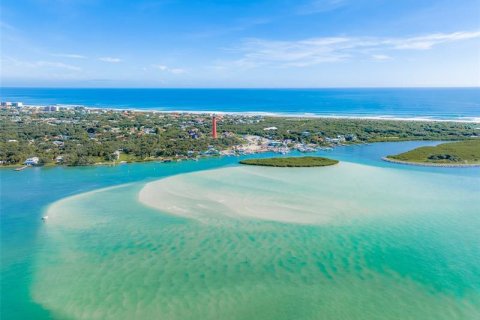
{"type": "Point", "coordinates": [291, 162]}
{"type": "Point", "coordinates": [85, 138]}
{"type": "Point", "coordinates": [315, 130]}
{"type": "Point", "coordinates": [81, 136]}
{"type": "Point", "coordinates": [462, 152]}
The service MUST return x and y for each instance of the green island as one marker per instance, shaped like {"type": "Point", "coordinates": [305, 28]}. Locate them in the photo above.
{"type": "Point", "coordinates": [461, 153]}
{"type": "Point", "coordinates": [291, 162]}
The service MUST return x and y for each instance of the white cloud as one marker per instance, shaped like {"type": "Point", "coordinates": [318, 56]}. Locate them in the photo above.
{"type": "Point", "coordinates": [69, 55]}
{"type": "Point", "coordinates": [110, 59]}
{"type": "Point", "coordinates": [307, 52]}
{"type": "Point", "coordinates": [165, 68]}
{"type": "Point", "coordinates": [381, 57]}
{"type": "Point", "coordinates": [160, 67]}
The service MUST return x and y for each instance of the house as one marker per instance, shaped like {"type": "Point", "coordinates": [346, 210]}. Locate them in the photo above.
{"type": "Point", "coordinates": [116, 155]}
{"type": "Point", "coordinates": [149, 130]}
{"type": "Point", "coordinates": [275, 144]}
{"type": "Point", "coordinates": [332, 140]}
{"type": "Point", "coordinates": [211, 151]}
{"type": "Point", "coordinates": [270, 128]}
{"type": "Point", "coordinates": [32, 161]}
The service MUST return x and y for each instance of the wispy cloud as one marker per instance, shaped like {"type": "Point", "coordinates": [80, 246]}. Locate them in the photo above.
{"type": "Point", "coordinates": [293, 53]}
{"type": "Point", "coordinates": [110, 59]}
{"type": "Point", "coordinates": [60, 65]}
{"type": "Point", "coordinates": [165, 68]}
{"type": "Point", "coordinates": [428, 41]}
{"type": "Point", "coordinates": [307, 52]}
{"type": "Point", "coordinates": [4, 25]}
{"type": "Point", "coordinates": [13, 62]}
{"type": "Point", "coordinates": [69, 55]}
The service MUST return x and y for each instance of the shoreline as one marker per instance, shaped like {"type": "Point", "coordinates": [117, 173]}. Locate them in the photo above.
{"type": "Point", "coordinates": [424, 164]}
{"type": "Point", "coordinates": [268, 114]}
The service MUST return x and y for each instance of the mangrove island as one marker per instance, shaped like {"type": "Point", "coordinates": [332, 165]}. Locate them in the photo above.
{"type": "Point", "coordinates": [291, 162]}
{"type": "Point", "coordinates": [462, 153]}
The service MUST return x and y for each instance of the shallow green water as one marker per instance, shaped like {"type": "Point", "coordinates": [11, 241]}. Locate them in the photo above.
{"type": "Point", "coordinates": [356, 242]}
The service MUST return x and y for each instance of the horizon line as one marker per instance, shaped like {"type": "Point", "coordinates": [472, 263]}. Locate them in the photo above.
{"type": "Point", "coordinates": [246, 88]}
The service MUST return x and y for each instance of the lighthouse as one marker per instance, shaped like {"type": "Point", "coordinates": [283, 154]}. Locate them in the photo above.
{"type": "Point", "coordinates": [214, 127]}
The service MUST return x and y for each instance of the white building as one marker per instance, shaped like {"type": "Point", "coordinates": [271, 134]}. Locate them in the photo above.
{"type": "Point", "coordinates": [17, 104]}
{"type": "Point", "coordinates": [6, 104]}
{"type": "Point", "coordinates": [32, 161]}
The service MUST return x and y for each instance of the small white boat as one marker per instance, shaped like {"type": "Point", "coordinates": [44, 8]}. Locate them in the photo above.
{"type": "Point", "coordinates": [45, 218]}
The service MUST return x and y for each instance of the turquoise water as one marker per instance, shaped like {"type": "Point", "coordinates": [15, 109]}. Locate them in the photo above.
{"type": "Point", "coordinates": [392, 242]}
{"type": "Point", "coordinates": [441, 103]}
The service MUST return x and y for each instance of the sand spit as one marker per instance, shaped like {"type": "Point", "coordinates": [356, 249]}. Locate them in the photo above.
{"type": "Point", "coordinates": [336, 194]}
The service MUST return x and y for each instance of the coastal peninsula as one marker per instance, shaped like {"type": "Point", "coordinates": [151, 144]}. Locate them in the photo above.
{"type": "Point", "coordinates": [291, 162]}
{"type": "Point", "coordinates": [79, 136]}
{"type": "Point", "coordinates": [455, 154]}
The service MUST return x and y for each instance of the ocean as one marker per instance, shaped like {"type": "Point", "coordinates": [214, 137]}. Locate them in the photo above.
{"type": "Point", "coordinates": [376, 240]}
{"type": "Point", "coordinates": [432, 103]}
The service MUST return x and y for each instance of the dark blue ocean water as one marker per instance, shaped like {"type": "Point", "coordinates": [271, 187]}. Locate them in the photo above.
{"type": "Point", "coordinates": [440, 103]}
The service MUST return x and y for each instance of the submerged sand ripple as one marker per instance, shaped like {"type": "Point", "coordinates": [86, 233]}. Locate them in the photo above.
{"type": "Point", "coordinates": [107, 256]}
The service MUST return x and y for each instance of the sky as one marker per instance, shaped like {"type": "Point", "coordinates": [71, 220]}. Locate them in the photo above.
{"type": "Point", "coordinates": [247, 44]}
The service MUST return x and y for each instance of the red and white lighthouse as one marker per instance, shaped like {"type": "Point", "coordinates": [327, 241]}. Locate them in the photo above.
{"type": "Point", "coordinates": [214, 127]}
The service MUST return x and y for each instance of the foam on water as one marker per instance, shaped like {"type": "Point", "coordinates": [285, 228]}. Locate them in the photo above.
{"type": "Point", "coordinates": [354, 248]}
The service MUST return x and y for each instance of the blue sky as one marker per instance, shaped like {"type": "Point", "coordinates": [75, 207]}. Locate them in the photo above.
{"type": "Point", "coordinates": [271, 43]}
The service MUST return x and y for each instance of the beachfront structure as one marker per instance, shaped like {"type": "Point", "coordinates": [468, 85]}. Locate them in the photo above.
{"type": "Point", "coordinates": [17, 104]}
{"type": "Point", "coordinates": [33, 161]}
{"type": "Point", "coordinates": [214, 127]}
{"type": "Point", "coordinates": [51, 108]}
{"type": "Point", "coordinates": [6, 104]}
